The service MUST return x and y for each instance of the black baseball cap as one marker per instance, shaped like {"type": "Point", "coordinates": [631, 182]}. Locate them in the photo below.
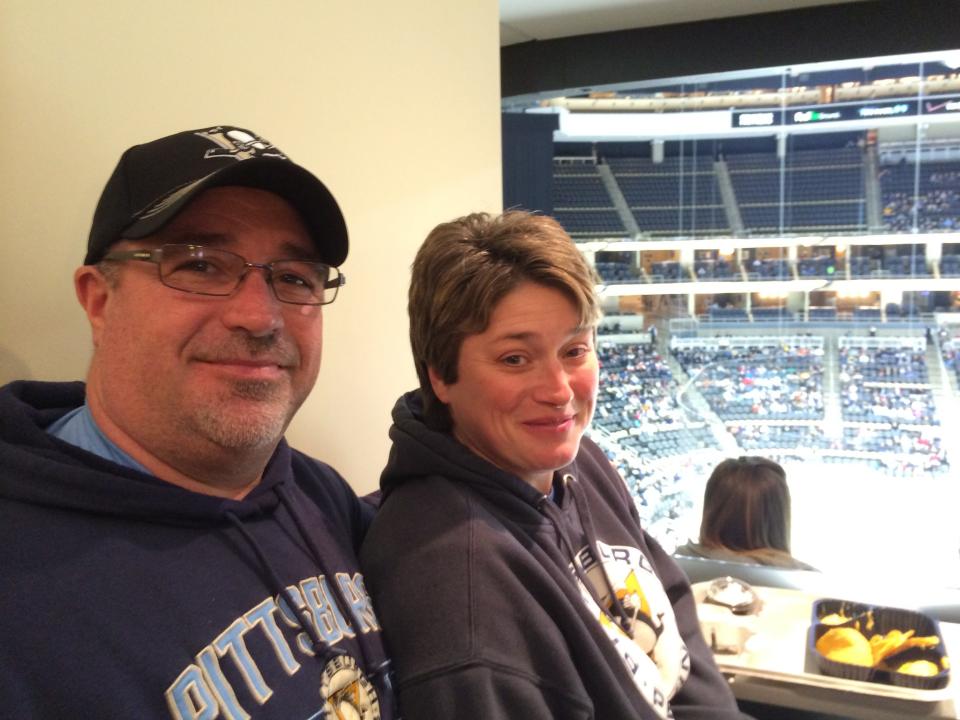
{"type": "Point", "coordinates": [156, 180]}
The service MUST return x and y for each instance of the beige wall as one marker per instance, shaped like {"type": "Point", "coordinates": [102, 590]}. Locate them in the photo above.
{"type": "Point", "coordinates": [394, 105]}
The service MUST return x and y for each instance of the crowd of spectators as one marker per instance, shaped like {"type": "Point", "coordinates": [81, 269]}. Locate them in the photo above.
{"type": "Point", "coordinates": [637, 389]}
{"type": "Point", "coordinates": [935, 207]}
{"type": "Point", "coordinates": [893, 404]}
{"type": "Point", "coordinates": [760, 382]}
{"type": "Point", "coordinates": [886, 385]}
{"type": "Point", "coordinates": [950, 350]}
{"type": "Point", "coordinates": [883, 364]}
{"type": "Point", "coordinates": [769, 436]}
{"type": "Point", "coordinates": [644, 431]}
{"type": "Point", "coordinates": [770, 398]}
{"type": "Point", "coordinates": [903, 441]}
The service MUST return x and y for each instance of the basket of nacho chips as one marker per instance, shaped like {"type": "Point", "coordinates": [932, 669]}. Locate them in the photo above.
{"type": "Point", "coordinates": [874, 643]}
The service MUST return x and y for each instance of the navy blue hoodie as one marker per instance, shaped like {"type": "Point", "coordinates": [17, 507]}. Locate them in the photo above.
{"type": "Point", "coordinates": [124, 596]}
{"type": "Point", "coordinates": [500, 603]}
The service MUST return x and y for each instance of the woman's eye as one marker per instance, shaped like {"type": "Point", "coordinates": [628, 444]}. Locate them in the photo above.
{"type": "Point", "coordinates": [513, 360]}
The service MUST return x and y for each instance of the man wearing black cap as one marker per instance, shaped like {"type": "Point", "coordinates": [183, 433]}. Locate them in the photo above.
{"type": "Point", "coordinates": [165, 552]}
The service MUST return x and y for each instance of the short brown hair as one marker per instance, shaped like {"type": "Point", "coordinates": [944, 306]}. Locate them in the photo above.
{"type": "Point", "coordinates": [746, 506]}
{"type": "Point", "coordinates": [465, 267]}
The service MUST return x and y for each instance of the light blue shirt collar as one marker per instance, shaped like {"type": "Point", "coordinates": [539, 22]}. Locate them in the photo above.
{"type": "Point", "coordinates": [78, 428]}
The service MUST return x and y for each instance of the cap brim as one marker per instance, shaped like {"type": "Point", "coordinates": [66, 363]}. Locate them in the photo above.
{"type": "Point", "coordinates": [303, 190]}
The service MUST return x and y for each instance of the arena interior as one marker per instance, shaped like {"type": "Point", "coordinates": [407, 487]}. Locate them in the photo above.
{"type": "Point", "coordinates": [778, 254]}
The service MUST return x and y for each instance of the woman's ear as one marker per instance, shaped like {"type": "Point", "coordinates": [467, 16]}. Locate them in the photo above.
{"type": "Point", "coordinates": [440, 388]}
{"type": "Point", "coordinates": [93, 291]}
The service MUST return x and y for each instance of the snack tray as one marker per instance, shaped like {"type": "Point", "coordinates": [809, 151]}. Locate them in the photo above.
{"type": "Point", "coordinates": [776, 652]}
{"type": "Point", "coordinates": [733, 665]}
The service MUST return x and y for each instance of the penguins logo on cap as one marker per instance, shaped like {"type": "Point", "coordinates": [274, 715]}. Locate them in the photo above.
{"type": "Point", "coordinates": [238, 144]}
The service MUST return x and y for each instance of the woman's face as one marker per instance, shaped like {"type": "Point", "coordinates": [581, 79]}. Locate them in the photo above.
{"type": "Point", "coordinates": [526, 385]}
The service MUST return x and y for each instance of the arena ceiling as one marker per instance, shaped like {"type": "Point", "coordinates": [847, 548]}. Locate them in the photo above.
{"type": "Point", "coordinates": [524, 20]}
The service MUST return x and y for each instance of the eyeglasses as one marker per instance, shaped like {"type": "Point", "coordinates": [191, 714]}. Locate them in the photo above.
{"type": "Point", "coordinates": [211, 271]}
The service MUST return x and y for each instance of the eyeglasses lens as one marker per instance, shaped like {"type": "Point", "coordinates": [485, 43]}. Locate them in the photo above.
{"type": "Point", "coordinates": [210, 271]}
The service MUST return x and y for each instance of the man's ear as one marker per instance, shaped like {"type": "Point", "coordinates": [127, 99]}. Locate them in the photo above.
{"type": "Point", "coordinates": [93, 291]}
{"type": "Point", "coordinates": [440, 388]}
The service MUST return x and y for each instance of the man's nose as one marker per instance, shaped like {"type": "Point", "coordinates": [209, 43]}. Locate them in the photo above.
{"type": "Point", "coordinates": [253, 306]}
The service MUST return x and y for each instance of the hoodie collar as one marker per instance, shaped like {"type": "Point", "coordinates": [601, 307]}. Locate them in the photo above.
{"type": "Point", "coordinates": [43, 470]}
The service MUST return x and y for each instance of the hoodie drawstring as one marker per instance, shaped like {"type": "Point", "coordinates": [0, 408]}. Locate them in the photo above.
{"type": "Point", "coordinates": [300, 614]}
{"type": "Point", "coordinates": [381, 673]}
{"type": "Point", "coordinates": [615, 611]}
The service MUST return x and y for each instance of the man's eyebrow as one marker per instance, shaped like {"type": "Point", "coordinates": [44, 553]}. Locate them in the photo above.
{"type": "Point", "coordinates": [296, 251]}
{"type": "Point", "coordinates": [288, 250]}
{"type": "Point", "coordinates": [194, 237]}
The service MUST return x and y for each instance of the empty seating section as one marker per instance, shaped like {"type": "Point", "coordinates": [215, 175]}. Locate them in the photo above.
{"type": "Point", "coordinates": [728, 314]}
{"type": "Point", "coordinates": [905, 266]}
{"type": "Point", "coordinates": [580, 191]}
{"type": "Point", "coordinates": [666, 271]}
{"type": "Point", "coordinates": [867, 313]}
{"type": "Point", "coordinates": [864, 267]}
{"type": "Point", "coordinates": [816, 267]}
{"type": "Point", "coordinates": [617, 272]}
{"type": "Point", "coordinates": [769, 269]}
{"type": "Point", "coordinates": [926, 197]}
{"type": "Point", "coordinates": [778, 313]}
{"type": "Point", "coordinates": [581, 202]}
{"type": "Point", "coordinates": [808, 191]}
{"type": "Point", "coordinates": [715, 270]}
{"type": "Point", "coordinates": [590, 223]}
{"type": "Point", "coordinates": [758, 379]}
{"type": "Point", "coordinates": [812, 190]}
{"type": "Point", "coordinates": [682, 221]}
{"type": "Point", "coordinates": [885, 380]}
{"type": "Point", "coordinates": [950, 265]}
{"type": "Point", "coordinates": [821, 313]}
{"type": "Point", "coordinates": [679, 196]}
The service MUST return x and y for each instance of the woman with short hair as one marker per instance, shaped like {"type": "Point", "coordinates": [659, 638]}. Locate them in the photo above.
{"type": "Point", "coordinates": [507, 562]}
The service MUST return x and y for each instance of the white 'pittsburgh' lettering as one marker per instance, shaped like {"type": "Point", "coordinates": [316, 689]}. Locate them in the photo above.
{"type": "Point", "coordinates": [231, 642]}
{"type": "Point", "coordinates": [356, 594]}
{"type": "Point", "coordinates": [262, 615]}
{"type": "Point", "coordinates": [203, 692]}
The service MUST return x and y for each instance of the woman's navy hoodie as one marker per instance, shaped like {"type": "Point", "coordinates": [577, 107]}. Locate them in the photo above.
{"type": "Point", "coordinates": [501, 603]}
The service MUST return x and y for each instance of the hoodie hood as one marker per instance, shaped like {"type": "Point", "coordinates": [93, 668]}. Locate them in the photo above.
{"type": "Point", "coordinates": [49, 472]}
{"type": "Point", "coordinates": [418, 451]}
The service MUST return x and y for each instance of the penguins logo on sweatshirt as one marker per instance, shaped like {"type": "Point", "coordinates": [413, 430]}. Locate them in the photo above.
{"type": "Point", "coordinates": [651, 645]}
{"type": "Point", "coordinates": [346, 692]}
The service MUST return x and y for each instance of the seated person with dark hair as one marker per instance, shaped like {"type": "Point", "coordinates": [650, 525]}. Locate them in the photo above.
{"type": "Point", "coordinates": [746, 515]}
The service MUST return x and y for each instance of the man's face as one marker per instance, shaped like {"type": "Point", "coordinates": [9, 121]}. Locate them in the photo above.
{"type": "Point", "coordinates": [177, 372]}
